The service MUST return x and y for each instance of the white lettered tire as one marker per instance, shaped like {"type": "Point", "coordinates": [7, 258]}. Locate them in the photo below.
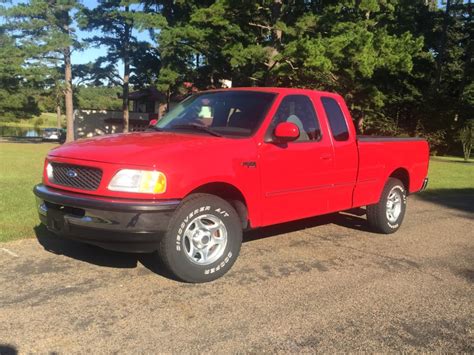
{"type": "Point", "coordinates": [387, 215]}
{"type": "Point", "coordinates": [203, 239]}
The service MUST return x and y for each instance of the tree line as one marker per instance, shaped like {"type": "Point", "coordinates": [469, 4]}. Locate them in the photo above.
{"type": "Point", "coordinates": [405, 67]}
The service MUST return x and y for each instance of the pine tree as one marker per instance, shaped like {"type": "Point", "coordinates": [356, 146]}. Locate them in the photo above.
{"type": "Point", "coordinates": [47, 36]}
{"type": "Point", "coordinates": [344, 46]}
{"type": "Point", "coordinates": [18, 86]}
{"type": "Point", "coordinates": [117, 19]}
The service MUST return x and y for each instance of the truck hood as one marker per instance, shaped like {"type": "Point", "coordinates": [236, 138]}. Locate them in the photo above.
{"type": "Point", "coordinates": [141, 149]}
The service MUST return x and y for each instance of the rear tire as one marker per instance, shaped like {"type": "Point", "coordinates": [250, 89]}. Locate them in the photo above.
{"type": "Point", "coordinates": [387, 215]}
{"type": "Point", "coordinates": [203, 239]}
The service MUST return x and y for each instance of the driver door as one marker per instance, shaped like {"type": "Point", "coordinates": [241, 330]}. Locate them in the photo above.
{"type": "Point", "coordinates": [296, 176]}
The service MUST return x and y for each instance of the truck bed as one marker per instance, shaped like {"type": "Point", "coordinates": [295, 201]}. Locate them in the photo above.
{"type": "Point", "coordinates": [381, 157]}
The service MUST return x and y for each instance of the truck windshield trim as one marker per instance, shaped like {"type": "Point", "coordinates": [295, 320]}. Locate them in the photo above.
{"type": "Point", "coordinates": [228, 113]}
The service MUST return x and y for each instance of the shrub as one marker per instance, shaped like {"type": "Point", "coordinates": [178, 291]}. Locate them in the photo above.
{"type": "Point", "coordinates": [466, 137]}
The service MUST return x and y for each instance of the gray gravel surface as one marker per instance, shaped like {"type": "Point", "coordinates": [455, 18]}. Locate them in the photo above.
{"type": "Point", "coordinates": [325, 284]}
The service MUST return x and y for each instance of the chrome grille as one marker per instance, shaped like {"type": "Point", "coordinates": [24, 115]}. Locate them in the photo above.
{"type": "Point", "coordinates": [79, 177]}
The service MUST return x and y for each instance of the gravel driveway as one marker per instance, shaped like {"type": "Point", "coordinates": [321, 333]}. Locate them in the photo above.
{"type": "Point", "coordinates": [323, 284]}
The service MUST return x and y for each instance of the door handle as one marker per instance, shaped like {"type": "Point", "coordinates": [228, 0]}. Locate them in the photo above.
{"type": "Point", "coordinates": [326, 156]}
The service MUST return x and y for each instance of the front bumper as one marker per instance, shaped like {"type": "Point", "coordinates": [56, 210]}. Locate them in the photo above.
{"type": "Point", "coordinates": [116, 224]}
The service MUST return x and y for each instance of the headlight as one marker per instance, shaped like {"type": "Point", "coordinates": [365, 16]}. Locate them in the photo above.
{"type": "Point", "coordinates": [141, 181]}
{"type": "Point", "coordinates": [49, 171]}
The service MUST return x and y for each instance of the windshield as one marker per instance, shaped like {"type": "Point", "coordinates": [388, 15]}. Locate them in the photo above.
{"type": "Point", "coordinates": [227, 113]}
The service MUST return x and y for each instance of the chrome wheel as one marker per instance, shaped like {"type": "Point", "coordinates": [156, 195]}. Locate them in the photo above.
{"type": "Point", "coordinates": [394, 205]}
{"type": "Point", "coordinates": [205, 239]}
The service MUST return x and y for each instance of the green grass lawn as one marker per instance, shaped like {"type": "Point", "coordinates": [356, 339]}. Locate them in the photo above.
{"type": "Point", "coordinates": [450, 174]}
{"type": "Point", "coordinates": [21, 166]}
{"type": "Point", "coordinates": [46, 119]}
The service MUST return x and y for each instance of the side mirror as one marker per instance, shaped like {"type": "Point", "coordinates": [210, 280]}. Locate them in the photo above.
{"type": "Point", "coordinates": [152, 122]}
{"type": "Point", "coordinates": [286, 132]}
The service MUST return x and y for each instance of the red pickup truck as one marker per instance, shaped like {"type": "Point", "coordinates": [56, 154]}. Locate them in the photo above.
{"type": "Point", "coordinates": [221, 162]}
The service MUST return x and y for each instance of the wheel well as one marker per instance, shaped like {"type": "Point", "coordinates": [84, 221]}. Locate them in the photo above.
{"type": "Point", "coordinates": [402, 175]}
{"type": "Point", "coordinates": [229, 193]}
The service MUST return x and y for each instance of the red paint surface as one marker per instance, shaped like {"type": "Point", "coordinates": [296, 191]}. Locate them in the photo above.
{"type": "Point", "coordinates": [289, 182]}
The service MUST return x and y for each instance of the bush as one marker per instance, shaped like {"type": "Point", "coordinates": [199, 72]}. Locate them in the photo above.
{"type": "Point", "coordinates": [39, 121]}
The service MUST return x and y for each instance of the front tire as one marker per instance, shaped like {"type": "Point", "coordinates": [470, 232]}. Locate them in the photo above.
{"type": "Point", "coordinates": [387, 215]}
{"type": "Point", "coordinates": [203, 239]}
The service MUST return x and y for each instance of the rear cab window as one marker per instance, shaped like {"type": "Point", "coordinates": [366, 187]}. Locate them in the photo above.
{"type": "Point", "coordinates": [337, 121]}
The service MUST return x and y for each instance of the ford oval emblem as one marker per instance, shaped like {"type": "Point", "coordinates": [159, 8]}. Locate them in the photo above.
{"type": "Point", "coordinates": [71, 173]}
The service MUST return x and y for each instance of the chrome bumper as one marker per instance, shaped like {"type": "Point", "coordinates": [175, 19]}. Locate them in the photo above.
{"type": "Point", "coordinates": [425, 184]}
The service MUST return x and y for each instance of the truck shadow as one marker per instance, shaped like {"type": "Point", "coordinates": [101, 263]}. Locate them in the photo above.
{"type": "Point", "coordinates": [106, 258]}
{"type": "Point", "coordinates": [97, 256]}
{"type": "Point", "coordinates": [459, 199]}
{"type": "Point", "coordinates": [7, 349]}
{"type": "Point", "coordinates": [83, 252]}
{"type": "Point", "coordinates": [352, 219]}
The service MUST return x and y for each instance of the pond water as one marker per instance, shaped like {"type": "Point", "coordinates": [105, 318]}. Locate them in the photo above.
{"type": "Point", "coordinates": [31, 132]}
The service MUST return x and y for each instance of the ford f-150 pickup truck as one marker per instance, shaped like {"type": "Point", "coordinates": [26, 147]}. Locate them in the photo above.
{"type": "Point", "coordinates": [221, 162]}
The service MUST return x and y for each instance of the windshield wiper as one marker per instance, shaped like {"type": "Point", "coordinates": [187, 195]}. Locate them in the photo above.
{"type": "Point", "coordinates": [197, 127]}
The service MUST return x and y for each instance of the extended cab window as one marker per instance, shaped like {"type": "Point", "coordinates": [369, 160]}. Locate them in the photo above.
{"type": "Point", "coordinates": [227, 113]}
{"type": "Point", "coordinates": [298, 109]}
{"type": "Point", "coordinates": [337, 122]}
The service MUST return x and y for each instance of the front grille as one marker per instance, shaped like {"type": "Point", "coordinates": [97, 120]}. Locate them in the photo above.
{"type": "Point", "coordinates": [79, 177]}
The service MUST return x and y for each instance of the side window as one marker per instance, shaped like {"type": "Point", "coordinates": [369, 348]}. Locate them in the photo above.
{"type": "Point", "coordinates": [337, 122]}
{"type": "Point", "coordinates": [298, 109]}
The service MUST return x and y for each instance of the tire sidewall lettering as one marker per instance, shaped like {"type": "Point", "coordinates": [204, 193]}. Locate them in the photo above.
{"type": "Point", "coordinates": [185, 221]}
{"type": "Point", "coordinates": [220, 265]}
{"type": "Point", "coordinates": [221, 212]}
{"type": "Point", "coordinates": [218, 212]}
{"type": "Point", "coordinates": [174, 248]}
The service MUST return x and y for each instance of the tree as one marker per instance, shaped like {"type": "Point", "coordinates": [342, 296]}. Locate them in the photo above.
{"type": "Point", "coordinates": [51, 99]}
{"type": "Point", "coordinates": [98, 97]}
{"type": "Point", "coordinates": [18, 86]}
{"type": "Point", "coordinates": [186, 53]}
{"type": "Point", "coordinates": [344, 46]}
{"type": "Point", "coordinates": [466, 137]}
{"type": "Point", "coordinates": [403, 66]}
{"type": "Point", "coordinates": [46, 36]}
{"type": "Point", "coordinates": [117, 19]}
{"type": "Point", "coordinates": [443, 74]}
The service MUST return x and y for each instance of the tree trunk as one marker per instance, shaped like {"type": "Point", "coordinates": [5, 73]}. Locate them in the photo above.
{"type": "Point", "coordinates": [467, 151]}
{"type": "Point", "coordinates": [68, 95]}
{"type": "Point", "coordinates": [442, 49]}
{"type": "Point", "coordinates": [68, 79]}
{"type": "Point", "coordinates": [125, 92]}
{"type": "Point", "coordinates": [58, 114]}
{"type": "Point", "coordinates": [126, 75]}
{"type": "Point", "coordinates": [276, 36]}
